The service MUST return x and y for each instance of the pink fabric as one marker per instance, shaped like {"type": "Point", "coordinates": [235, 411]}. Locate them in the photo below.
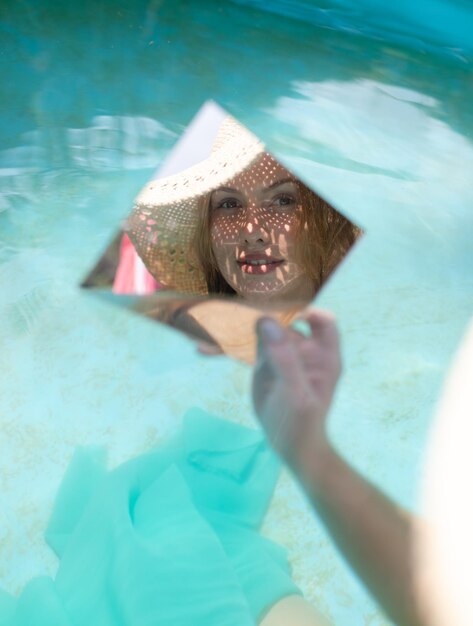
{"type": "Point", "coordinates": [131, 276]}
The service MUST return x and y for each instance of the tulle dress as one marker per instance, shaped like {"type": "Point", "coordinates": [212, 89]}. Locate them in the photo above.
{"type": "Point", "coordinates": [168, 538]}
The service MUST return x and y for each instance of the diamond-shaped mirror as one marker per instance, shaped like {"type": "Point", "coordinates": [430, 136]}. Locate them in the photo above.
{"type": "Point", "coordinates": [221, 235]}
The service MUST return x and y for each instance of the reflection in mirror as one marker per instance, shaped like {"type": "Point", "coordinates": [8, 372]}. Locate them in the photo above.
{"type": "Point", "coordinates": [235, 235]}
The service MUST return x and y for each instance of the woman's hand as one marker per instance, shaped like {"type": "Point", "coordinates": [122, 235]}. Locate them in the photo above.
{"type": "Point", "coordinates": [293, 386]}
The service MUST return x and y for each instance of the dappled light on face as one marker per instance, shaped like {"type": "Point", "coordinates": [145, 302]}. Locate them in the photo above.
{"type": "Point", "coordinates": [254, 220]}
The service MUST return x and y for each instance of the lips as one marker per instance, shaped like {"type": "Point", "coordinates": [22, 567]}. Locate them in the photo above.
{"type": "Point", "coordinates": [259, 264]}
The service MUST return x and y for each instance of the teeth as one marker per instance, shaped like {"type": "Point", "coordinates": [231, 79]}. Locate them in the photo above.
{"type": "Point", "coordinates": [257, 262]}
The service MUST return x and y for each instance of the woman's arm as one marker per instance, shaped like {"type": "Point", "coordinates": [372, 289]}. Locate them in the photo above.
{"type": "Point", "coordinates": [374, 535]}
{"type": "Point", "coordinates": [293, 386]}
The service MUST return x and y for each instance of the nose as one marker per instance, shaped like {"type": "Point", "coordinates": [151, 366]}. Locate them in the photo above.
{"type": "Point", "coordinates": [253, 226]}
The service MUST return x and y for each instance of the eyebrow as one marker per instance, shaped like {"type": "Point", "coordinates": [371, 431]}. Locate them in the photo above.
{"type": "Point", "coordinates": [281, 182]}
{"type": "Point", "coordinates": [226, 189]}
{"type": "Point", "coordinates": [277, 183]}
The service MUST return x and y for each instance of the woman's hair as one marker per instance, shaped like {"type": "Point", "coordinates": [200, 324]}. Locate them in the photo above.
{"type": "Point", "coordinates": [204, 252]}
{"type": "Point", "coordinates": [324, 234]}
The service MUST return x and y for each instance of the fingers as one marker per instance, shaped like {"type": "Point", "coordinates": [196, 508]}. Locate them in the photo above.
{"type": "Point", "coordinates": [292, 355]}
{"type": "Point", "coordinates": [323, 327]}
{"type": "Point", "coordinates": [277, 345]}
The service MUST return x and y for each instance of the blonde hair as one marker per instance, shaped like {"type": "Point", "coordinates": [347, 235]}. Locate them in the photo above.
{"type": "Point", "coordinates": [325, 237]}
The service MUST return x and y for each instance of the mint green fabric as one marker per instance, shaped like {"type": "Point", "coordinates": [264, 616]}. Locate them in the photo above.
{"type": "Point", "coordinates": [170, 537]}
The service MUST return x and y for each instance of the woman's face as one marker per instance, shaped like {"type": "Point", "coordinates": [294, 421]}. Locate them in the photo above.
{"type": "Point", "coordinates": [253, 227]}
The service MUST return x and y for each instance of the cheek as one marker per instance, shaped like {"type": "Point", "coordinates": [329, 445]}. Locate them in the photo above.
{"type": "Point", "coordinates": [222, 230]}
{"type": "Point", "coordinates": [215, 241]}
{"type": "Point", "coordinates": [285, 230]}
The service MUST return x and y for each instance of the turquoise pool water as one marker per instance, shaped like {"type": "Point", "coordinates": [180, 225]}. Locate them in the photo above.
{"type": "Point", "coordinates": [370, 108]}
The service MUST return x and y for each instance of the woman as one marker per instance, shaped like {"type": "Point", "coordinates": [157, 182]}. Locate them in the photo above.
{"type": "Point", "coordinates": [238, 225]}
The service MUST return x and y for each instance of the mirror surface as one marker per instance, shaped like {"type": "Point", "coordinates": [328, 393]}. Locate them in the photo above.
{"type": "Point", "coordinates": [223, 234]}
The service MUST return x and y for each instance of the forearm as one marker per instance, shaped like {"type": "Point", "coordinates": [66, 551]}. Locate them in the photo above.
{"type": "Point", "coordinates": [373, 534]}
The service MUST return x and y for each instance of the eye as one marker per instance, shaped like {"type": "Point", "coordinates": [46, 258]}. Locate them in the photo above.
{"type": "Point", "coordinates": [227, 203]}
{"type": "Point", "coordinates": [284, 199]}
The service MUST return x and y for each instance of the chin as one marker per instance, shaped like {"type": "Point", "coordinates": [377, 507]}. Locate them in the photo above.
{"type": "Point", "coordinates": [270, 295]}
